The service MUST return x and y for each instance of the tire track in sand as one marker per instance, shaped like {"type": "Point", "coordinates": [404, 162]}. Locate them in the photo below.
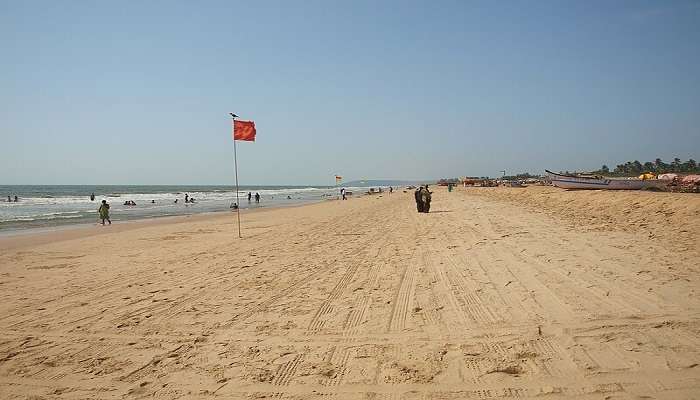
{"type": "Point", "coordinates": [326, 308]}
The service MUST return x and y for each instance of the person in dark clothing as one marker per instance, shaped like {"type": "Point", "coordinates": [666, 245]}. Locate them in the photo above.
{"type": "Point", "coordinates": [249, 196]}
{"type": "Point", "coordinates": [419, 201]}
{"type": "Point", "coordinates": [257, 197]}
{"type": "Point", "coordinates": [187, 198]}
{"type": "Point", "coordinates": [92, 197]}
{"type": "Point", "coordinates": [426, 197]}
{"type": "Point", "coordinates": [16, 199]}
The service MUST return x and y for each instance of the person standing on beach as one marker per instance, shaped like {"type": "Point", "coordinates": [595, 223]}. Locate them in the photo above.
{"type": "Point", "coordinates": [257, 197]}
{"type": "Point", "coordinates": [419, 201]}
{"type": "Point", "coordinates": [104, 212]}
{"type": "Point", "coordinates": [426, 197]}
{"type": "Point", "coordinates": [249, 196]}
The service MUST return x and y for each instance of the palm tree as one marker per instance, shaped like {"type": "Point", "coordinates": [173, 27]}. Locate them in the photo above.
{"type": "Point", "coordinates": [637, 166]}
{"type": "Point", "coordinates": [676, 164]}
{"type": "Point", "coordinates": [660, 166]}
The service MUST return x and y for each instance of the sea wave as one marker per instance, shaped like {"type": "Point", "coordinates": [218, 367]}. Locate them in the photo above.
{"type": "Point", "coordinates": [216, 194]}
{"type": "Point", "coordinates": [42, 207]}
{"type": "Point", "coordinates": [27, 218]}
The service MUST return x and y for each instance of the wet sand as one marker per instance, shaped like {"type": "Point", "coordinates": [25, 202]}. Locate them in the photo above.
{"type": "Point", "coordinates": [497, 293]}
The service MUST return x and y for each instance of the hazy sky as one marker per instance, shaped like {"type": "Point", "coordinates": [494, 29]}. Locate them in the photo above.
{"type": "Point", "coordinates": [98, 92]}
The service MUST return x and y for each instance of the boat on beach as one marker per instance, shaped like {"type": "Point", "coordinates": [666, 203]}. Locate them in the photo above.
{"type": "Point", "coordinates": [596, 182]}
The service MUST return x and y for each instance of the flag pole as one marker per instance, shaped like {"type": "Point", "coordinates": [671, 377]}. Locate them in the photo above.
{"type": "Point", "coordinates": [235, 163]}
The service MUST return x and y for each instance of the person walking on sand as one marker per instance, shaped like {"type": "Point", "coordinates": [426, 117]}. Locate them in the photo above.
{"type": "Point", "coordinates": [426, 197]}
{"type": "Point", "coordinates": [104, 212]}
{"type": "Point", "coordinates": [419, 200]}
{"type": "Point", "coordinates": [257, 197]}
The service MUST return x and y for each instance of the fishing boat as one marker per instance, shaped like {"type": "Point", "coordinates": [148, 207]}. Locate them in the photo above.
{"type": "Point", "coordinates": [600, 182]}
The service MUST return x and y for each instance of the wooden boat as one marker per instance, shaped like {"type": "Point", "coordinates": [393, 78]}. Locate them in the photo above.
{"type": "Point", "coordinates": [599, 182]}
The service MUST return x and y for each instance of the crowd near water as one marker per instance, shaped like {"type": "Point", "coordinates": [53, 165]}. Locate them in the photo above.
{"type": "Point", "coordinates": [24, 207]}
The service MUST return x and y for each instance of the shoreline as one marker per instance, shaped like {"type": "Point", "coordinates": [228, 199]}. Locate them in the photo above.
{"type": "Point", "coordinates": [47, 207]}
{"type": "Point", "coordinates": [15, 239]}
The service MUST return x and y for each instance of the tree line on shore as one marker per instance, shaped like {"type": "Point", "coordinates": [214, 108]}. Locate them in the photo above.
{"type": "Point", "coordinates": [630, 168]}
{"type": "Point", "coordinates": [657, 166]}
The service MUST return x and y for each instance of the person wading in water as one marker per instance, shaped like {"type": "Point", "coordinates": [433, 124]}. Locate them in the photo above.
{"type": "Point", "coordinates": [104, 212]}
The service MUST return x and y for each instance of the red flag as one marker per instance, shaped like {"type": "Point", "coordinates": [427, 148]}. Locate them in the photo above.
{"type": "Point", "coordinates": [244, 130]}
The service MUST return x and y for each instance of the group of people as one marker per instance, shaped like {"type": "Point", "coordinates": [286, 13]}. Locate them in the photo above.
{"type": "Point", "coordinates": [188, 199]}
{"type": "Point", "coordinates": [133, 203]}
{"type": "Point", "coordinates": [257, 197]}
{"type": "Point", "coordinates": [9, 199]}
{"type": "Point", "coordinates": [234, 206]}
{"type": "Point", "coordinates": [423, 197]}
{"type": "Point", "coordinates": [104, 206]}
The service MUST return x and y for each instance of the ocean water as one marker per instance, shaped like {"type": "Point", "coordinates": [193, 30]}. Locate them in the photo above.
{"type": "Point", "coordinates": [51, 206]}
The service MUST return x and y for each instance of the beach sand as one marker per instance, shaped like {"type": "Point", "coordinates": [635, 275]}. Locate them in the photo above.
{"type": "Point", "coordinates": [497, 293]}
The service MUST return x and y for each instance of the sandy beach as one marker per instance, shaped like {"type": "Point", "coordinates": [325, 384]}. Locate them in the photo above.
{"type": "Point", "coordinates": [497, 293]}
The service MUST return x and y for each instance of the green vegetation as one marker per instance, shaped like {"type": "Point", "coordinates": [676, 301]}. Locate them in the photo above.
{"type": "Point", "coordinates": [520, 177]}
{"type": "Point", "coordinates": [445, 181]}
{"type": "Point", "coordinates": [630, 168]}
{"type": "Point", "coordinates": [657, 167]}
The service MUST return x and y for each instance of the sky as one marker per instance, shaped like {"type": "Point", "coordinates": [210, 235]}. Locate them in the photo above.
{"type": "Point", "coordinates": [139, 92]}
